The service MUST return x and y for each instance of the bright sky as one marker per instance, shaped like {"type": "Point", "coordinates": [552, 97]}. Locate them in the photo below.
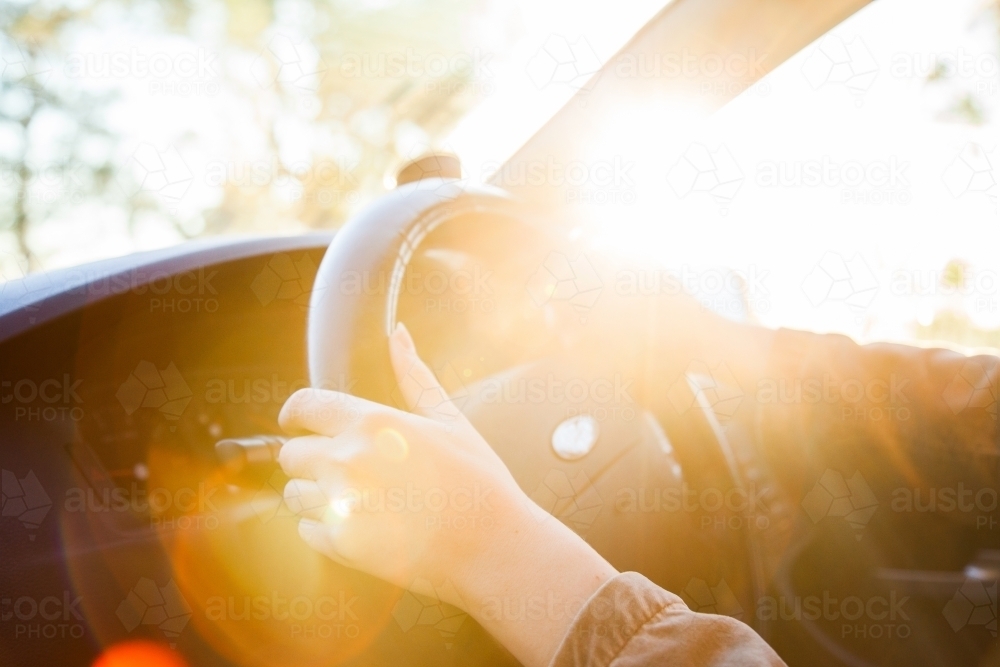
{"type": "Point", "coordinates": [894, 229]}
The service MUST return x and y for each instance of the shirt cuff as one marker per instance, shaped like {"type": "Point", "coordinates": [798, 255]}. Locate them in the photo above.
{"type": "Point", "coordinates": [609, 619]}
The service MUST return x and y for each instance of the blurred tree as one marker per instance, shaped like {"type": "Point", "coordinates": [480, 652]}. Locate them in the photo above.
{"type": "Point", "coordinates": [968, 104]}
{"type": "Point", "coordinates": [37, 182]}
{"type": "Point", "coordinates": [57, 148]}
{"type": "Point", "coordinates": [310, 107]}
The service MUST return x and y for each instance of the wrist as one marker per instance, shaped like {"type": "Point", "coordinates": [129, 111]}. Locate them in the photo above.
{"type": "Point", "coordinates": [530, 583]}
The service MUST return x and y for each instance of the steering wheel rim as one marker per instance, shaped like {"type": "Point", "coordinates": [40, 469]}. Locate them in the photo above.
{"type": "Point", "coordinates": [348, 330]}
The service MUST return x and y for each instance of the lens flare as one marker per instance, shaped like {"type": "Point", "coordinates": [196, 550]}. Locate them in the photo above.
{"type": "Point", "coordinates": [139, 653]}
{"type": "Point", "coordinates": [343, 507]}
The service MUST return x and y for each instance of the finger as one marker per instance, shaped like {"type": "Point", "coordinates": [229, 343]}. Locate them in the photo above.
{"type": "Point", "coordinates": [421, 391]}
{"type": "Point", "coordinates": [307, 499]}
{"type": "Point", "coordinates": [324, 412]}
{"type": "Point", "coordinates": [323, 538]}
{"type": "Point", "coordinates": [316, 456]}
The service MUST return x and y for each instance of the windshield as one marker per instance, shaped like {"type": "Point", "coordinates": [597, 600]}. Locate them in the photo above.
{"type": "Point", "coordinates": [132, 125]}
{"type": "Point", "coordinates": [853, 189]}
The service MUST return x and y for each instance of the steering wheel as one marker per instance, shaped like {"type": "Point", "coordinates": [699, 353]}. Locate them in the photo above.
{"type": "Point", "coordinates": [592, 469]}
{"type": "Point", "coordinates": [349, 326]}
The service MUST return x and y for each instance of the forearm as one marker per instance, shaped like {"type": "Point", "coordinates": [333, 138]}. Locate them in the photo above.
{"type": "Point", "coordinates": [527, 589]}
{"type": "Point", "coordinates": [901, 415]}
{"type": "Point", "coordinates": [680, 332]}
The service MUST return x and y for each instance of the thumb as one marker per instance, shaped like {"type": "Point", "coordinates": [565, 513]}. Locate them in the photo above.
{"type": "Point", "coordinates": [420, 389]}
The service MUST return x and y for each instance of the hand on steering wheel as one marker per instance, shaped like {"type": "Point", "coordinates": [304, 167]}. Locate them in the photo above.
{"type": "Point", "coordinates": [421, 495]}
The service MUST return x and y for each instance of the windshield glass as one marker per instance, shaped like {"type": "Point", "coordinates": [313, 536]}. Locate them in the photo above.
{"type": "Point", "coordinates": [132, 125]}
{"type": "Point", "coordinates": [852, 189]}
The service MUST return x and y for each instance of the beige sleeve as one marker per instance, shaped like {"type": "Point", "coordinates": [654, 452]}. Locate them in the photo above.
{"type": "Point", "coordinates": [631, 621]}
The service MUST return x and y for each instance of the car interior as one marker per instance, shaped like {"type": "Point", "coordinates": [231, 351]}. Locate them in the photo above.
{"type": "Point", "coordinates": [141, 393]}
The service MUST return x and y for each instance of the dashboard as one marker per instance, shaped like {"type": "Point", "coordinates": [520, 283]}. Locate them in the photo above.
{"type": "Point", "coordinates": [119, 522]}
